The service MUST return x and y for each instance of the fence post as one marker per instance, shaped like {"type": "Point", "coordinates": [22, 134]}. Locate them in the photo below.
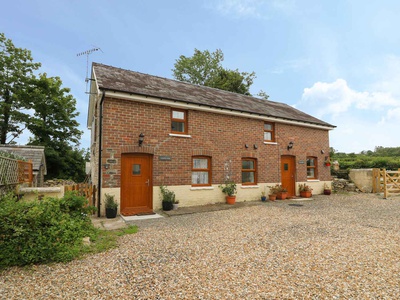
{"type": "Point", "coordinates": [375, 178]}
{"type": "Point", "coordinates": [385, 193]}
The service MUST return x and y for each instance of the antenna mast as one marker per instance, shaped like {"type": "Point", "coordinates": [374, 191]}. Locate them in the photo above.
{"type": "Point", "coordinates": [87, 52]}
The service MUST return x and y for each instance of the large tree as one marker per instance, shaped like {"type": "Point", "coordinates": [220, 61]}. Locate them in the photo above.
{"type": "Point", "coordinates": [54, 126]}
{"type": "Point", "coordinates": [16, 73]}
{"type": "Point", "coordinates": [43, 106]}
{"type": "Point", "coordinates": [205, 68]}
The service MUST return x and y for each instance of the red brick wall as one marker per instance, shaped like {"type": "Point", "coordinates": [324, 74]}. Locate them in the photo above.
{"type": "Point", "coordinates": [222, 137]}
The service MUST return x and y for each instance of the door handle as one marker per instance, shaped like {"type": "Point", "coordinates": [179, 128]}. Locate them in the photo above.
{"type": "Point", "coordinates": [148, 182]}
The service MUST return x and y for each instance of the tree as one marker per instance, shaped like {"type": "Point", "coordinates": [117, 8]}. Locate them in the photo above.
{"type": "Point", "coordinates": [53, 125]}
{"type": "Point", "coordinates": [42, 106]}
{"type": "Point", "coordinates": [205, 68]}
{"type": "Point", "coordinates": [53, 121]}
{"type": "Point", "coordinates": [16, 73]}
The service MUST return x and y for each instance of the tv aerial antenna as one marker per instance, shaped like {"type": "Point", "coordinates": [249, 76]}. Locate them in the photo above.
{"type": "Point", "coordinates": [87, 53]}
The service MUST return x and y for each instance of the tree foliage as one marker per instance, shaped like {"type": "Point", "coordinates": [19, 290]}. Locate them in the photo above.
{"type": "Point", "coordinates": [381, 157]}
{"type": "Point", "coordinates": [205, 68]}
{"type": "Point", "coordinates": [16, 74]}
{"type": "Point", "coordinates": [43, 106]}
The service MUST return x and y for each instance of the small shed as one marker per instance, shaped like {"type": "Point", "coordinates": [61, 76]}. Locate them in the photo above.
{"type": "Point", "coordinates": [36, 155]}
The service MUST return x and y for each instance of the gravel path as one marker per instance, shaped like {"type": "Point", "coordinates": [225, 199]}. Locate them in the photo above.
{"type": "Point", "coordinates": [334, 247]}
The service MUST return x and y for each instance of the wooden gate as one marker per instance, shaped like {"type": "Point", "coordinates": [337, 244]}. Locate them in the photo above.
{"type": "Point", "coordinates": [385, 181]}
{"type": "Point", "coordinates": [83, 189]}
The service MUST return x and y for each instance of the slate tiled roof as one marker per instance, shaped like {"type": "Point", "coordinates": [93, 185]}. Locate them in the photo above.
{"type": "Point", "coordinates": [32, 153]}
{"type": "Point", "coordinates": [116, 79]}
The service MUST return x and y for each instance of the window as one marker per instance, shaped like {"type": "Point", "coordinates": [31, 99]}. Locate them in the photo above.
{"type": "Point", "coordinates": [312, 170]}
{"type": "Point", "coordinates": [249, 172]}
{"type": "Point", "coordinates": [269, 134]}
{"type": "Point", "coordinates": [179, 121]}
{"type": "Point", "coordinates": [201, 171]}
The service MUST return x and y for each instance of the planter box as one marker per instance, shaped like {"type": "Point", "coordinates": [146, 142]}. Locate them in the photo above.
{"type": "Point", "coordinates": [281, 196]}
{"type": "Point", "coordinates": [167, 205]}
{"type": "Point", "coordinates": [306, 194]}
{"type": "Point", "coordinates": [111, 213]}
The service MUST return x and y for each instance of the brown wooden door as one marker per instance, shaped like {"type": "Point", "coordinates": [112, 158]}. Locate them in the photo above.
{"type": "Point", "coordinates": [288, 174]}
{"type": "Point", "coordinates": [136, 184]}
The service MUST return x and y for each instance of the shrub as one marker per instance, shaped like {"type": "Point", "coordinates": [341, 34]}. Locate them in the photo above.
{"type": "Point", "coordinates": [43, 231]}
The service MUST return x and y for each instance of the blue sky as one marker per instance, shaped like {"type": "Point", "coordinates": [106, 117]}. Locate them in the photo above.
{"type": "Point", "coordinates": [336, 60]}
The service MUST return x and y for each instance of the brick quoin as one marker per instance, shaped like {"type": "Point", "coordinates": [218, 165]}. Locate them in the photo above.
{"type": "Point", "coordinates": [222, 137]}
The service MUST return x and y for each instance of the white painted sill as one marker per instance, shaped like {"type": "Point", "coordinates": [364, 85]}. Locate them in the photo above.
{"type": "Point", "coordinates": [270, 143]}
{"type": "Point", "coordinates": [199, 188]}
{"type": "Point", "coordinates": [180, 135]}
{"type": "Point", "coordinates": [313, 180]}
{"type": "Point", "coordinates": [249, 186]}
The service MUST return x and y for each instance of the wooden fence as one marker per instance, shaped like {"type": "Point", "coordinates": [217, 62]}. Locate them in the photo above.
{"type": "Point", "coordinates": [84, 189]}
{"type": "Point", "coordinates": [385, 181]}
{"type": "Point", "coordinates": [13, 172]}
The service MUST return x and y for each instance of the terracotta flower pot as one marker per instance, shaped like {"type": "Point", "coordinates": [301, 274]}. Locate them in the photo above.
{"type": "Point", "coordinates": [305, 194]}
{"type": "Point", "coordinates": [281, 196]}
{"type": "Point", "coordinates": [230, 199]}
{"type": "Point", "coordinates": [327, 192]}
{"type": "Point", "coordinates": [272, 197]}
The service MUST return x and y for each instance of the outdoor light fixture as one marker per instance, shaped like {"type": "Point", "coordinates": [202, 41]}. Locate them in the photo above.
{"type": "Point", "coordinates": [246, 146]}
{"type": "Point", "coordinates": [290, 146]}
{"type": "Point", "coordinates": [141, 139]}
{"type": "Point", "coordinates": [255, 146]}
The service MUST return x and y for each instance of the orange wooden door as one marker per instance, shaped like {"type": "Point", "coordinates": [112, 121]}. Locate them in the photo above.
{"type": "Point", "coordinates": [136, 184]}
{"type": "Point", "coordinates": [288, 174]}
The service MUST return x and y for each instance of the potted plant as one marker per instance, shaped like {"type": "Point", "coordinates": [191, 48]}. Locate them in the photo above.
{"type": "Point", "coordinates": [281, 192]}
{"type": "Point", "coordinates": [111, 206]}
{"type": "Point", "coordinates": [273, 191]}
{"type": "Point", "coordinates": [229, 189]}
{"type": "Point", "coordinates": [263, 197]}
{"type": "Point", "coordinates": [167, 198]}
{"type": "Point", "coordinates": [175, 205]}
{"type": "Point", "coordinates": [327, 189]}
{"type": "Point", "coordinates": [305, 190]}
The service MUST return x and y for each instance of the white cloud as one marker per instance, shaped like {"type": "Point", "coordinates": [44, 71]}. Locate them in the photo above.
{"type": "Point", "coordinates": [337, 97]}
{"type": "Point", "coordinates": [364, 119]}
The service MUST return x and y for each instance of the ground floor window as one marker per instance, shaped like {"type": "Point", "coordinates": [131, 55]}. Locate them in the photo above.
{"type": "Point", "coordinates": [249, 171]}
{"type": "Point", "coordinates": [312, 169]}
{"type": "Point", "coordinates": [201, 171]}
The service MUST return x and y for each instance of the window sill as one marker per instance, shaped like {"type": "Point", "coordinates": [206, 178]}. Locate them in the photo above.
{"type": "Point", "coordinates": [180, 135]}
{"type": "Point", "coordinates": [198, 188]}
{"type": "Point", "coordinates": [270, 143]}
{"type": "Point", "coordinates": [313, 180]}
{"type": "Point", "coordinates": [249, 186]}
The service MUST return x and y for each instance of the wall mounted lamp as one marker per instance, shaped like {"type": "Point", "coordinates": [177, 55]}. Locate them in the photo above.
{"type": "Point", "coordinates": [141, 139]}
{"type": "Point", "coordinates": [255, 147]}
{"type": "Point", "coordinates": [290, 146]}
{"type": "Point", "coordinates": [246, 146]}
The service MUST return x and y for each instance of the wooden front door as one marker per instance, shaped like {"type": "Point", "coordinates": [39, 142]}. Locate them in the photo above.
{"type": "Point", "coordinates": [136, 184]}
{"type": "Point", "coordinates": [288, 174]}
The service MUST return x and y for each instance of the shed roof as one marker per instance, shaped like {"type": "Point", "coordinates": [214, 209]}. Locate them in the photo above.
{"type": "Point", "coordinates": [121, 80]}
{"type": "Point", "coordinates": [30, 153]}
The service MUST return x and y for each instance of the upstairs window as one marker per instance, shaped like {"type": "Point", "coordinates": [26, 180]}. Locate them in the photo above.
{"type": "Point", "coordinates": [179, 121]}
{"type": "Point", "coordinates": [269, 132]}
{"type": "Point", "coordinates": [312, 168]}
{"type": "Point", "coordinates": [249, 171]}
{"type": "Point", "coordinates": [201, 171]}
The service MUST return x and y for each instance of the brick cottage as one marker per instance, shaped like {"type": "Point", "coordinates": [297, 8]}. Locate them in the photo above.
{"type": "Point", "coordinates": [149, 131]}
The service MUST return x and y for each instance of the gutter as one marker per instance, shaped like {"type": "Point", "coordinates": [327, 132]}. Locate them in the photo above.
{"type": "Point", "coordinates": [99, 162]}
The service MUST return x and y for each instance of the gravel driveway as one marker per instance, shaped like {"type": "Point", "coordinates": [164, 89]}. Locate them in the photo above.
{"type": "Point", "coordinates": [333, 247]}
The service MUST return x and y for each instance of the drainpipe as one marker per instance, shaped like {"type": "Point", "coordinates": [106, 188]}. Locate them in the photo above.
{"type": "Point", "coordinates": [99, 163]}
